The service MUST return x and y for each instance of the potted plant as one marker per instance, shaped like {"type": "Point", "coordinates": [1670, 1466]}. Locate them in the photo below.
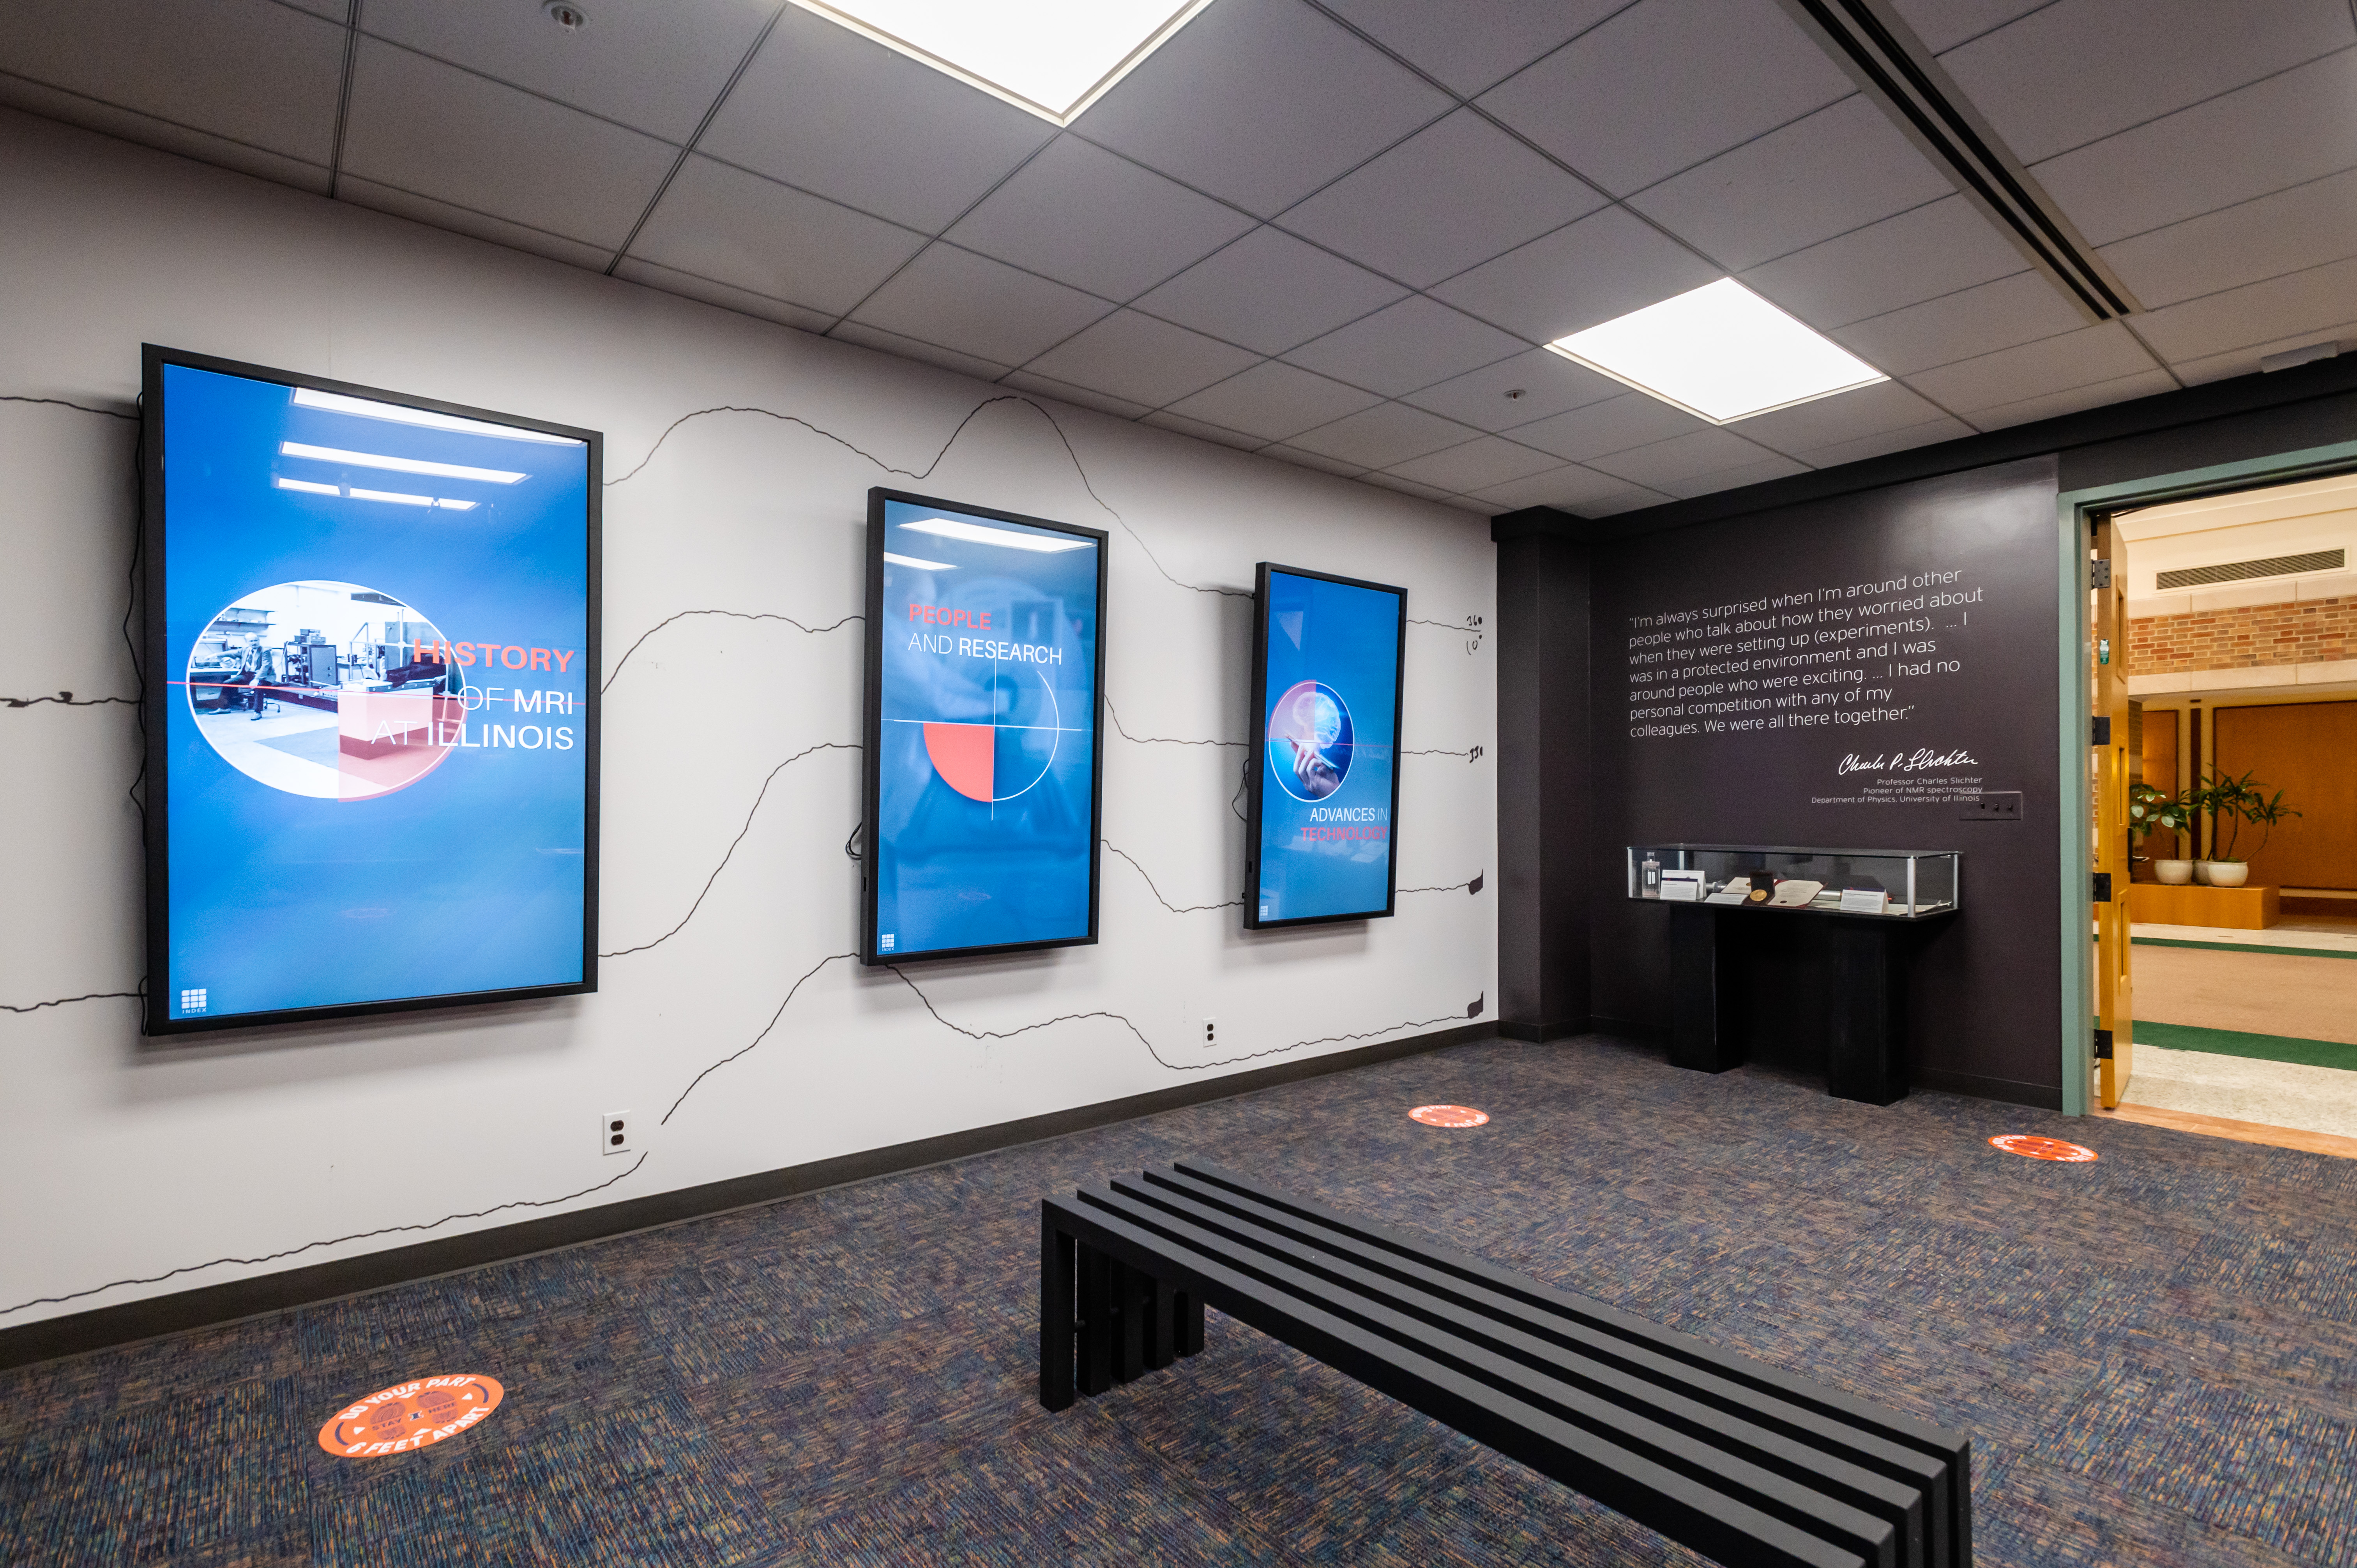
{"type": "Point", "coordinates": [2151, 810]}
{"type": "Point", "coordinates": [2234, 803]}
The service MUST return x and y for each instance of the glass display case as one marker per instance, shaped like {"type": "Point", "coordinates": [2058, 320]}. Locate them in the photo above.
{"type": "Point", "coordinates": [1894, 884]}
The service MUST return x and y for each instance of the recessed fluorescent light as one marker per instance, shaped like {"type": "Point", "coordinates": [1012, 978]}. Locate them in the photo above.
{"type": "Point", "coordinates": [1719, 352]}
{"type": "Point", "coordinates": [919, 566]}
{"type": "Point", "coordinates": [369, 408]}
{"type": "Point", "coordinates": [307, 488]}
{"type": "Point", "coordinates": [396, 497]}
{"type": "Point", "coordinates": [976, 534]}
{"type": "Point", "coordinates": [399, 497]}
{"type": "Point", "coordinates": [1053, 58]}
{"type": "Point", "coordinates": [397, 465]}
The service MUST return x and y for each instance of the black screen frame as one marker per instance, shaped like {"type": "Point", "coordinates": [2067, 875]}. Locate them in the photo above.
{"type": "Point", "coordinates": [872, 727]}
{"type": "Point", "coordinates": [155, 692]}
{"type": "Point", "coordinates": [1256, 768]}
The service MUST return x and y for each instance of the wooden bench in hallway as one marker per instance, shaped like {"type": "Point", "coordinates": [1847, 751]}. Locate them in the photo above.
{"type": "Point", "coordinates": [1743, 1463]}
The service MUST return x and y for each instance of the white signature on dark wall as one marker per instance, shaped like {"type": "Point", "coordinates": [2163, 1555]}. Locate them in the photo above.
{"type": "Point", "coordinates": [1916, 761]}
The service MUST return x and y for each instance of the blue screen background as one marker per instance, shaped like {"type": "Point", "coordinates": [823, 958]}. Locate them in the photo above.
{"type": "Point", "coordinates": [1331, 855]}
{"type": "Point", "coordinates": [469, 880]}
{"type": "Point", "coordinates": [954, 871]}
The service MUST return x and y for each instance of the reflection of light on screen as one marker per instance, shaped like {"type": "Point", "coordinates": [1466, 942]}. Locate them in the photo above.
{"type": "Point", "coordinates": [976, 534]}
{"type": "Point", "coordinates": [398, 465]}
{"type": "Point", "coordinates": [919, 566]}
{"type": "Point", "coordinates": [398, 497]}
{"type": "Point", "coordinates": [369, 408]}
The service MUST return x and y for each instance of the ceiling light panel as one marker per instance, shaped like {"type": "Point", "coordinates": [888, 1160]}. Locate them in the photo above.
{"type": "Point", "coordinates": [1720, 353]}
{"type": "Point", "coordinates": [1005, 538]}
{"type": "Point", "coordinates": [1053, 58]}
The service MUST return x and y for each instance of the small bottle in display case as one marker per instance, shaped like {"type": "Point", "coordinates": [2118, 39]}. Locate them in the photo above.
{"type": "Point", "coordinates": [1649, 883]}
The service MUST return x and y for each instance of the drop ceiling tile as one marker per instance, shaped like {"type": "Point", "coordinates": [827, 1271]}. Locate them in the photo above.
{"type": "Point", "coordinates": [1920, 254]}
{"type": "Point", "coordinates": [1218, 435]}
{"type": "Point", "coordinates": [1080, 397]}
{"type": "Point", "coordinates": [1840, 168]}
{"type": "Point", "coordinates": [439, 132]}
{"type": "Point", "coordinates": [73, 109]}
{"type": "Point", "coordinates": [1385, 436]}
{"type": "Point", "coordinates": [979, 306]}
{"type": "Point", "coordinates": [248, 71]}
{"type": "Point", "coordinates": [1274, 399]}
{"type": "Point", "coordinates": [1603, 266]}
{"type": "Point", "coordinates": [460, 220]}
{"type": "Point", "coordinates": [1845, 417]}
{"type": "Point", "coordinates": [2244, 361]}
{"type": "Point", "coordinates": [2283, 308]}
{"type": "Point", "coordinates": [1268, 292]}
{"type": "Point", "coordinates": [734, 228]}
{"type": "Point", "coordinates": [1140, 358]}
{"type": "Point", "coordinates": [1941, 25]}
{"type": "Point", "coordinates": [924, 353]}
{"type": "Point", "coordinates": [2077, 358]}
{"type": "Point", "coordinates": [1666, 84]}
{"type": "Point", "coordinates": [1735, 479]}
{"type": "Point", "coordinates": [823, 108]}
{"type": "Point", "coordinates": [2267, 137]}
{"type": "Point", "coordinates": [1904, 439]}
{"type": "Point", "coordinates": [654, 65]}
{"type": "Point", "coordinates": [1323, 464]}
{"type": "Point", "coordinates": [1409, 487]}
{"type": "Point", "coordinates": [1260, 102]}
{"type": "Point", "coordinates": [2288, 232]}
{"type": "Point", "coordinates": [1959, 326]}
{"type": "Point", "coordinates": [2078, 70]}
{"type": "Point", "coordinates": [1665, 465]}
{"type": "Point", "coordinates": [1083, 216]}
{"type": "Point", "coordinates": [1548, 382]}
{"type": "Point", "coordinates": [2145, 383]}
{"type": "Point", "coordinates": [1476, 463]}
{"type": "Point", "coordinates": [1571, 488]}
{"type": "Point", "coordinates": [741, 300]}
{"type": "Point", "coordinates": [1469, 44]}
{"type": "Point", "coordinates": [1453, 195]}
{"type": "Point", "coordinates": [1616, 424]}
{"type": "Point", "coordinates": [1406, 346]}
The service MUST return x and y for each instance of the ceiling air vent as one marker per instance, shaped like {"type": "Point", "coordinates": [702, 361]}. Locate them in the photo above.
{"type": "Point", "coordinates": [2239, 570]}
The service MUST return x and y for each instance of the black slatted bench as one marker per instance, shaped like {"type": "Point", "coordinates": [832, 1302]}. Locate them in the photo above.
{"type": "Point", "coordinates": [1744, 1464]}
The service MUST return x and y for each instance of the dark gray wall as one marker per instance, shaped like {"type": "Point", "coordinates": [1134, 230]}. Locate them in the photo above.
{"type": "Point", "coordinates": [1543, 793]}
{"type": "Point", "coordinates": [1985, 990]}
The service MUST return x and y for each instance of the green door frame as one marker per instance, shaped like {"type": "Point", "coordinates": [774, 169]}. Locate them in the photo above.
{"type": "Point", "coordinates": [2076, 890]}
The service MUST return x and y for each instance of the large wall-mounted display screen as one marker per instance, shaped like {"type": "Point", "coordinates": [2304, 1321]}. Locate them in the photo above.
{"type": "Point", "coordinates": [371, 659]}
{"type": "Point", "coordinates": [1326, 695]}
{"type": "Point", "coordinates": [985, 658]}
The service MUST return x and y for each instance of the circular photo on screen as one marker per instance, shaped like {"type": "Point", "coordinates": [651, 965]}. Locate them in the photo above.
{"type": "Point", "coordinates": [1309, 740]}
{"type": "Point", "coordinates": [329, 689]}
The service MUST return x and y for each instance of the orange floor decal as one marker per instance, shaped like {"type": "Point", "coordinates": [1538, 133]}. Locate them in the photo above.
{"type": "Point", "coordinates": [2043, 1149]}
{"type": "Point", "coordinates": [415, 1414]}
{"type": "Point", "coordinates": [1450, 1115]}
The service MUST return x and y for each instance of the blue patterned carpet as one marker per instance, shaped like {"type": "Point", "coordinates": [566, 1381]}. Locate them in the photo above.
{"type": "Point", "coordinates": [2156, 1354]}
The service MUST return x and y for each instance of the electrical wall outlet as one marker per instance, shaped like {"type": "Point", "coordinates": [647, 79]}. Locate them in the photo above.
{"type": "Point", "coordinates": [2003, 806]}
{"type": "Point", "coordinates": [1210, 1032]}
{"type": "Point", "coordinates": [614, 1132]}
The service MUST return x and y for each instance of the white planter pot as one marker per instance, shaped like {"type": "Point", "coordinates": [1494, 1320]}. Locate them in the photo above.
{"type": "Point", "coordinates": [2174, 873]}
{"type": "Point", "coordinates": [2227, 872]}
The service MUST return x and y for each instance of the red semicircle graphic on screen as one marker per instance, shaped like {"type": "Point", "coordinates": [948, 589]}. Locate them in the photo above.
{"type": "Point", "coordinates": [962, 755]}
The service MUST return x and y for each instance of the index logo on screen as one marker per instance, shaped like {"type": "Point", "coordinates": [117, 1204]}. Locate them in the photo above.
{"type": "Point", "coordinates": [193, 1001]}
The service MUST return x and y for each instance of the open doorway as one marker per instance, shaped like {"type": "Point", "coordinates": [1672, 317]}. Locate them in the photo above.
{"type": "Point", "coordinates": [2233, 652]}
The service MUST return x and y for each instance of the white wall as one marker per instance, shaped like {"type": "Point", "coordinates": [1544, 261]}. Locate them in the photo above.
{"type": "Point", "coordinates": [126, 1160]}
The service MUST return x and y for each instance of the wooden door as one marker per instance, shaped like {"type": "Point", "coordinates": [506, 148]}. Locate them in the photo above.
{"type": "Point", "coordinates": [2308, 750]}
{"type": "Point", "coordinates": [2115, 992]}
{"type": "Point", "coordinates": [2161, 726]}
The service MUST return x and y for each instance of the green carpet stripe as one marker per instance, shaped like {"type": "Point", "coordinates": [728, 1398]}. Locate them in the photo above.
{"type": "Point", "coordinates": [2242, 946]}
{"type": "Point", "coordinates": [2229, 1043]}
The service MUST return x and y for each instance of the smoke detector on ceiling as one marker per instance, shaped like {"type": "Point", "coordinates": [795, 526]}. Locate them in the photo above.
{"type": "Point", "coordinates": [565, 14]}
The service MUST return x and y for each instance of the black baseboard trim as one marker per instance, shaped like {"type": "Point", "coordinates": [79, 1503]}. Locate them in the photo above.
{"type": "Point", "coordinates": [1632, 1029]}
{"type": "Point", "coordinates": [1536, 1034]}
{"type": "Point", "coordinates": [211, 1305]}
{"type": "Point", "coordinates": [2039, 1096]}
